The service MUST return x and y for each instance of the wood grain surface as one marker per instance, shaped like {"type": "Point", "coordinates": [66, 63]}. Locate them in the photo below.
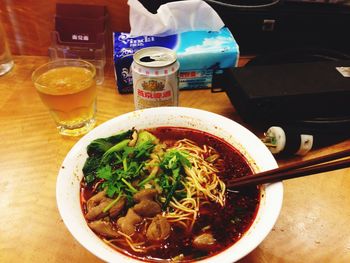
{"type": "Point", "coordinates": [313, 225]}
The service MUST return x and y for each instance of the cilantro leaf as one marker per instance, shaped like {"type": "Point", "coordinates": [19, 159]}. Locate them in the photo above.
{"type": "Point", "coordinates": [173, 165]}
{"type": "Point", "coordinates": [105, 172]}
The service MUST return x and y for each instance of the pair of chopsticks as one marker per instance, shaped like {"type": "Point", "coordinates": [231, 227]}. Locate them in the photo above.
{"type": "Point", "coordinates": [326, 163]}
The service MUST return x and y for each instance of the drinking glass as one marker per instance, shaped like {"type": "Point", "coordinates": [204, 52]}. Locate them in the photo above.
{"type": "Point", "coordinates": [6, 62]}
{"type": "Point", "coordinates": [68, 88]}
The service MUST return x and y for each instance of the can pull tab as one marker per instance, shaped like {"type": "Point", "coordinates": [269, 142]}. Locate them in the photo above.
{"type": "Point", "coordinates": [156, 57]}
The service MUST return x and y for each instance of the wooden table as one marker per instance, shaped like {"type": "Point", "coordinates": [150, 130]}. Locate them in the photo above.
{"type": "Point", "coordinates": [314, 224]}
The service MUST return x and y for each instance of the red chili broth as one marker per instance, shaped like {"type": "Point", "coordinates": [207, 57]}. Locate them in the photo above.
{"type": "Point", "coordinates": [228, 224]}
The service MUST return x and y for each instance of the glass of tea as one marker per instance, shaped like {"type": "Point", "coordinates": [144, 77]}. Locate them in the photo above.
{"type": "Point", "coordinates": [6, 61]}
{"type": "Point", "coordinates": [68, 88]}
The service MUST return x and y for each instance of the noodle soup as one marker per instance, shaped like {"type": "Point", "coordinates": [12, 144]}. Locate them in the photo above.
{"type": "Point", "coordinates": [160, 193]}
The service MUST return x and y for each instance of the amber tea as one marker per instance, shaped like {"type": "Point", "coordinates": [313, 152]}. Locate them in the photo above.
{"type": "Point", "coordinates": [69, 91]}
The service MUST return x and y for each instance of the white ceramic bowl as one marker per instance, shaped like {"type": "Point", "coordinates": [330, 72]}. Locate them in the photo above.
{"type": "Point", "coordinates": [70, 175]}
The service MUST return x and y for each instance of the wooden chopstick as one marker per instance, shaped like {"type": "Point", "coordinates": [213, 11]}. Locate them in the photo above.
{"type": "Point", "coordinates": [326, 163]}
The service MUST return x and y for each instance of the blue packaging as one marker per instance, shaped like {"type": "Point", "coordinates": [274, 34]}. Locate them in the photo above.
{"type": "Point", "coordinates": [201, 54]}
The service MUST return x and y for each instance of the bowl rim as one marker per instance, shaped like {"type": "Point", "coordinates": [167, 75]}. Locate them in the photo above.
{"type": "Point", "coordinates": [253, 148]}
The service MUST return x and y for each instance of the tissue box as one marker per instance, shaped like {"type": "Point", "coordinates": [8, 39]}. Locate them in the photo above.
{"type": "Point", "coordinates": [201, 54]}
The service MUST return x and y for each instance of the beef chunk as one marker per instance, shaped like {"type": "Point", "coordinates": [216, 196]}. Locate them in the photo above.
{"type": "Point", "coordinates": [127, 224]}
{"type": "Point", "coordinates": [115, 210]}
{"type": "Point", "coordinates": [104, 228]}
{"type": "Point", "coordinates": [145, 194]}
{"type": "Point", "coordinates": [159, 229]}
{"type": "Point", "coordinates": [204, 241]}
{"type": "Point", "coordinates": [147, 208]}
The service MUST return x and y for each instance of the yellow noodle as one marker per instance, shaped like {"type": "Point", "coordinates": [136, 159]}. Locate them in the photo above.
{"type": "Point", "coordinates": [201, 185]}
{"type": "Point", "coordinates": [127, 241]}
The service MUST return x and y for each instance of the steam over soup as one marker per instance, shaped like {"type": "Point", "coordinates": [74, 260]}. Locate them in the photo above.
{"type": "Point", "coordinates": [160, 193]}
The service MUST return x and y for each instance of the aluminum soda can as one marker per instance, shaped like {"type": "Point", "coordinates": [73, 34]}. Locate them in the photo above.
{"type": "Point", "coordinates": [155, 78]}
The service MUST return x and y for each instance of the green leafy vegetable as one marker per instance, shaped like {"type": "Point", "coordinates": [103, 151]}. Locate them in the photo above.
{"type": "Point", "coordinates": [99, 146]}
{"type": "Point", "coordinates": [120, 168]}
{"type": "Point", "coordinates": [131, 188]}
{"type": "Point", "coordinates": [116, 166]}
{"type": "Point", "coordinates": [105, 172]}
{"type": "Point", "coordinates": [150, 177]}
{"type": "Point", "coordinates": [116, 180]}
{"type": "Point", "coordinates": [95, 151]}
{"type": "Point", "coordinates": [145, 136]}
{"type": "Point", "coordinates": [111, 204]}
{"type": "Point", "coordinates": [90, 168]}
{"type": "Point", "coordinates": [174, 159]}
{"type": "Point", "coordinates": [116, 148]}
{"type": "Point", "coordinates": [177, 177]}
{"type": "Point", "coordinates": [173, 165]}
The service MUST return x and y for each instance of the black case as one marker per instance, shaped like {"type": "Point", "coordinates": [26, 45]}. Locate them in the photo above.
{"type": "Point", "coordinates": [288, 25]}
{"type": "Point", "coordinates": [289, 92]}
